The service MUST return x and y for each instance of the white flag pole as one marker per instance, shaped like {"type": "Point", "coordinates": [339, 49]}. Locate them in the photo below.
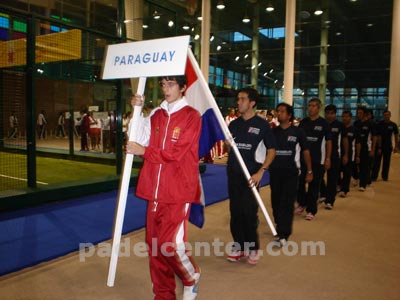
{"type": "Point", "coordinates": [229, 137]}
{"type": "Point", "coordinates": [123, 190]}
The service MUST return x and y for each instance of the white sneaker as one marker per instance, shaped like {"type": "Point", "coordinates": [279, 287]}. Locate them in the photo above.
{"type": "Point", "coordinates": [190, 292]}
{"type": "Point", "coordinates": [254, 257]}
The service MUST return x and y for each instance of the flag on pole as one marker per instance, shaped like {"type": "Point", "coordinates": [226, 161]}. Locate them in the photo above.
{"type": "Point", "coordinates": [199, 97]}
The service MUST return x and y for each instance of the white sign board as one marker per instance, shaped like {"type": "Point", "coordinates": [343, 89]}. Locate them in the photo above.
{"type": "Point", "coordinates": [150, 58]}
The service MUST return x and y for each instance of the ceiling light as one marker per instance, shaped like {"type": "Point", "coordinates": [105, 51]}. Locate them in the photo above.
{"type": "Point", "coordinates": [338, 33]}
{"type": "Point", "coordinates": [211, 38]}
{"type": "Point", "coordinates": [253, 67]}
{"type": "Point", "coordinates": [197, 36]}
{"type": "Point", "coordinates": [270, 71]}
{"type": "Point", "coordinates": [145, 26]}
{"type": "Point", "coordinates": [259, 64]}
{"type": "Point", "coordinates": [370, 25]}
{"type": "Point", "coordinates": [246, 56]}
{"type": "Point", "coordinates": [156, 15]}
{"type": "Point", "coordinates": [200, 18]}
{"type": "Point", "coordinates": [170, 23]}
{"type": "Point", "coordinates": [246, 19]}
{"type": "Point", "coordinates": [237, 58]}
{"type": "Point", "coordinates": [318, 12]}
{"type": "Point", "coordinates": [220, 5]}
{"type": "Point", "coordinates": [265, 74]}
{"type": "Point", "coordinates": [269, 8]}
{"type": "Point", "coordinates": [185, 27]}
{"type": "Point", "coordinates": [219, 47]}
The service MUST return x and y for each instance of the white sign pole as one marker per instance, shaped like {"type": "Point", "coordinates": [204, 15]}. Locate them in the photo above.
{"type": "Point", "coordinates": [123, 190]}
{"type": "Point", "coordinates": [229, 137]}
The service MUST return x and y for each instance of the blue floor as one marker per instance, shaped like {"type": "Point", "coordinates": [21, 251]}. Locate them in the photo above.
{"type": "Point", "coordinates": [34, 235]}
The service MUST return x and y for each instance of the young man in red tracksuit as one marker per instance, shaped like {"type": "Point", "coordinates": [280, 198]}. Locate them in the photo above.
{"type": "Point", "coordinates": [169, 180]}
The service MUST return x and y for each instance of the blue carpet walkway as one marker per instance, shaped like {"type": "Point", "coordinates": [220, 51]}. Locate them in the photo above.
{"type": "Point", "coordinates": [34, 235]}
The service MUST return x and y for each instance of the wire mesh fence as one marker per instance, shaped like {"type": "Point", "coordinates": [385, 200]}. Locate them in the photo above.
{"type": "Point", "coordinates": [66, 87]}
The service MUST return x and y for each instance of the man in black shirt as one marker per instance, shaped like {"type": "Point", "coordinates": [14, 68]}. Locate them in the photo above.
{"type": "Point", "coordinates": [366, 151]}
{"type": "Point", "coordinates": [284, 170]}
{"type": "Point", "coordinates": [352, 139]}
{"type": "Point", "coordinates": [357, 125]}
{"type": "Point", "coordinates": [319, 138]}
{"type": "Point", "coordinates": [248, 131]}
{"type": "Point", "coordinates": [386, 129]}
{"type": "Point", "coordinates": [338, 139]}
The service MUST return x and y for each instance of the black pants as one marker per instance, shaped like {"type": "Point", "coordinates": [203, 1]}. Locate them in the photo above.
{"type": "Point", "coordinates": [84, 141]}
{"type": "Point", "coordinates": [60, 130]}
{"type": "Point", "coordinates": [355, 170]}
{"type": "Point", "coordinates": [386, 154]}
{"type": "Point", "coordinates": [308, 198]}
{"type": "Point", "coordinates": [345, 176]}
{"type": "Point", "coordinates": [365, 171]}
{"type": "Point", "coordinates": [13, 133]}
{"type": "Point", "coordinates": [332, 179]}
{"type": "Point", "coordinates": [244, 213]}
{"type": "Point", "coordinates": [283, 194]}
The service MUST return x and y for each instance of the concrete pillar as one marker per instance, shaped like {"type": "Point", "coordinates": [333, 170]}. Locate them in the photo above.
{"type": "Point", "coordinates": [394, 80]}
{"type": "Point", "coordinates": [288, 76]}
{"type": "Point", "coordinates": [255, 46]}
{"type": "Point", "coordinates": [134, 29]}
{"type": "Point", "coordinates": [205, 37]}
{"type": "Point", "coordinates": [323, 60]}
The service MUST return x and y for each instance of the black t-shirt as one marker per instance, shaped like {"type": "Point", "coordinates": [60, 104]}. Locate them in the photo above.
{"type": "Point", "coordinates": [353, 138]}
{"type": "Point", "coordinates": [366, 130]}
{"type": "Point", "coordinates": [317, 133]}
{"type": "Point", "coordinates": [247, 135]}
{"type": "Point", "coordinates": [386, 131]}
{"type": "Point", "coordinates": [337, 132]}
{"type": "Point", "coordinates": [289, 144]}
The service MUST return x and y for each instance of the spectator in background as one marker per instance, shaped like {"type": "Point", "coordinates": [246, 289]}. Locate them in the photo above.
{"type": "Point", "coordinates": [231, 116]}
{"type": "Point", "coordinates": [270, 118]}
{"type": "Point", "coordinates": [84, 127]}
{"type": "Point", "coordinates": [60, 125]}
{"type": "Point", "coordinates": [13, 126]}
{"type": "Point", "coordinates": [41, 123]}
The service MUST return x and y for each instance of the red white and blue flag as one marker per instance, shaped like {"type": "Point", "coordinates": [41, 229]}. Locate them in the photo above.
{"type": "Point", "coordinates": [200, 97]}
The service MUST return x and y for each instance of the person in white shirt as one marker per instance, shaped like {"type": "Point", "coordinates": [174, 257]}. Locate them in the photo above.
{"type": "Point", "coordinates": [13, 126]}
{"type": "Point", "coordinates": [42, 122]}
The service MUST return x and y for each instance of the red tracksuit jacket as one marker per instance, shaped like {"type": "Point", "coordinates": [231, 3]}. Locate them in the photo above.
{"type": "Point", "coordinates": [170, 171]}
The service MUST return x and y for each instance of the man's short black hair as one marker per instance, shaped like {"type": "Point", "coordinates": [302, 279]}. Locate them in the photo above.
{"type": "Point", "coordinates": [180, 79]}
{"type": "Point", "coordinates": [289, 109]}
{"type": "Point", "coordinates": [251, 93]}
{"type": "Point", "coordinates": [317, 100]}
{"type": "Point", "coordinates": [330, 107]}
{"type": "Point", "coordinates": [347, 112]}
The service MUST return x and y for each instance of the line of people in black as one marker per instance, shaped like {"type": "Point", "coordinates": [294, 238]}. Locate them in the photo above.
{"type": "Point", "coordinates": [316, 147]}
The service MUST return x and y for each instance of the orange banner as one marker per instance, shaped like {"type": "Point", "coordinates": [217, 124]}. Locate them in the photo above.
{"type": "Point", "coordinates": [49, 48]}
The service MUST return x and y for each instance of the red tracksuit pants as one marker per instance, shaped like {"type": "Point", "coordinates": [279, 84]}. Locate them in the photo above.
{"type": "Point", "coordinates": [166, 238]}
